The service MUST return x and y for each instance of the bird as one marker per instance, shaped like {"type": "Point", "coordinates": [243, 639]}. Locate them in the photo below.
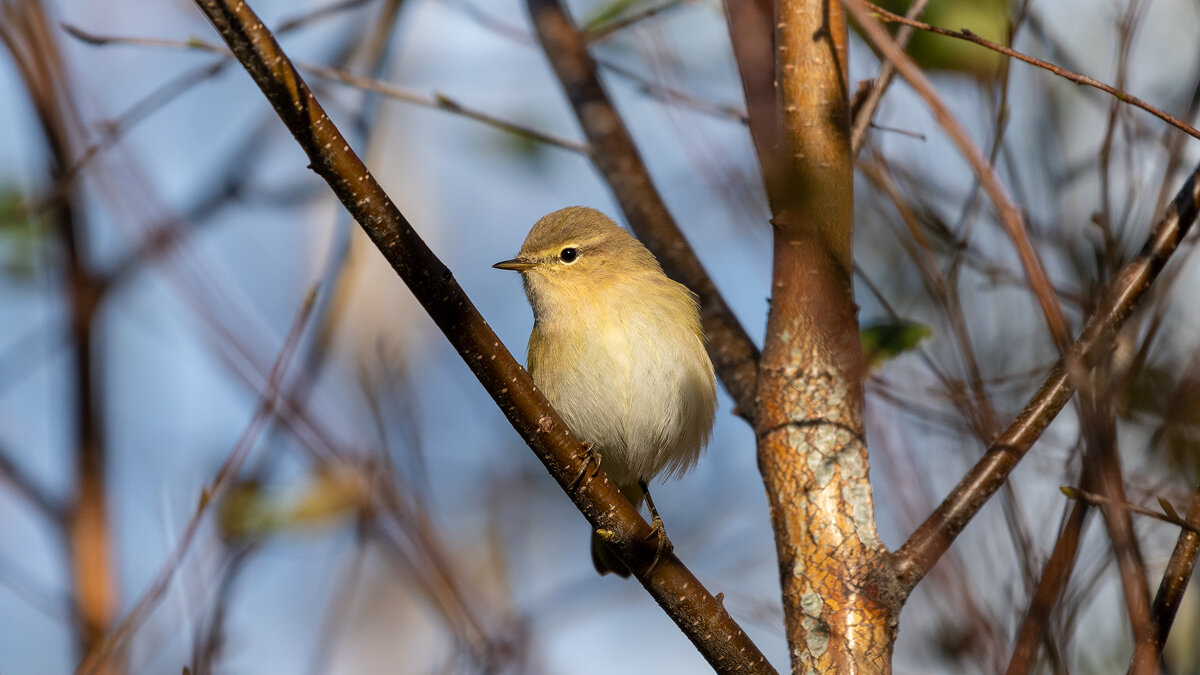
{"type": "Point", "coordinates": [618, 349]}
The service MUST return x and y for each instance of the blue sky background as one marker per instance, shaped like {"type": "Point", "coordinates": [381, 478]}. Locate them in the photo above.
{"type": "Point", "coordinates": [175, 403]}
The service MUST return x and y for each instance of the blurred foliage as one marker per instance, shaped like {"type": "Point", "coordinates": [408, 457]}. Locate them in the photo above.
{"type": "Point", "coordinates": [986, 18]}
{"type": "Point", "coordinates": [885, 340]}
{"type": "Point", "coordinates": [249, 511]}
{"type": "Point", "coordinates": [23, 238]}
{"type": "Point", "coordinates": [528, 151]}
{"type": "Point", "coordinates": [1169, 402]}
{"type": "Point", "coordinates": [609, 11]}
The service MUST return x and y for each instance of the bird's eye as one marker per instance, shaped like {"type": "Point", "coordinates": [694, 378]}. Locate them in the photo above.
{"type": "Point", "coordinates": [568, 255]}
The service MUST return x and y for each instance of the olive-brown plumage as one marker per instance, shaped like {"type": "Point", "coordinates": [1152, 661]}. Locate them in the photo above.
{"type": "Point", "coordinates": [618, 350]}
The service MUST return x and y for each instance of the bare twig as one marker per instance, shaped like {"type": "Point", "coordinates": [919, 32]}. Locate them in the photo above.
{"type": "Point", "coordinates": [671, 95]}
{"type": "Point", "coordinates": [1094, 499]}
{"type": "Point", "coordinates": [24, 355]}
{"type": "Point", "coordinates": [1010, 216]}
{"type": "Point", "coordinates": [699, 615]}
{"type": "Point", "coordinates": [25, 486]}
{"type": "Point", "coordinates": [975, 403]}
{"type": "Point", "coordinates": [865, 112]}
{"type": "Point", "coordinates": [318, 13]}
{"type": "Point", "coordinates": [112, 130]}
{"type": "Point", "coordinates": [437, 102]}
{"type": "Point", "coordinates": [268, 404]}
{"type": "Point", "coordinates": [1072, 76]}
{"type": "Point", "coordinates": [1100, 429]}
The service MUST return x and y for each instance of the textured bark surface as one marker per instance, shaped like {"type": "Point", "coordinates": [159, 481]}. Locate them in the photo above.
{"type": "Point", "coordinates": [810, 433]}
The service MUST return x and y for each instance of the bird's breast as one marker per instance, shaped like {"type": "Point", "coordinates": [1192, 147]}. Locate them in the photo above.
{"type": "Point", "coordinates": [635, 382]}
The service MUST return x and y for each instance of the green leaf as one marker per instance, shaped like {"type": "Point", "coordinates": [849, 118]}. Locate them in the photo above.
{"type": "Point", "coordinates": [986, 18]}
{"type": "Point", "coordinates": [883, 341]}
{"type": "Point", "coordinates": [246, 512]}
{"type": "Point", "coordinates": [24, 238]}
{"type": "Point", "coordinates": [250, 512]}
{"type": "Point", "coordinates": [608, 12]}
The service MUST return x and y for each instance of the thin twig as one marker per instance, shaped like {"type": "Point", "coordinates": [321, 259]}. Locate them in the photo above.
{"type": "Point", "coordinates": [24, 485]}
{"type": "Point", "coordinates": [437, 101]}
{"type": "Point", "coordinates": [645, 86]}
{"type": "Point", "coordinates": [967, 35]}
{"type": "Point", "coordinates": [268, 406]}
{"type": "Point", "coordinates": [112, 131]}
{"type": "Point", "coordinates": [1099, 422]}
{"type": "Point", "coordinates": [671, 95]}
{"type": "Point", "coordinates": [1056, 573]}
{"type": "Point", "coordinates": [863, 118]}
{"type": "Point", "coordinates": [975, 403]}
{"type": "Point", "coordinates": [1100, 500]}
{"type": "Point", "coordinates": [914, 559]}
{"type": "Point", "coordinates": [1010, 216]}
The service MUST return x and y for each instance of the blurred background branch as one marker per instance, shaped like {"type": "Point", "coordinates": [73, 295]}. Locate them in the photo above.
{"type": "Point", "coordinates": [386, 519]}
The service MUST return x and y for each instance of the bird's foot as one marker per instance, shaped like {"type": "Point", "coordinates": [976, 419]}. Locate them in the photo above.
{"type": "Point", "coordinates": [665, 547]}
{"type": "Point", "coordinates": [658, 529]}
{"type": "Point", "coordinates": [591, 460]}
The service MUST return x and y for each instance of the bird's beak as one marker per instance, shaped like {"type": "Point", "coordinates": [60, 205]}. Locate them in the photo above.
{"type": "Point", "coordinates": [516, 264]}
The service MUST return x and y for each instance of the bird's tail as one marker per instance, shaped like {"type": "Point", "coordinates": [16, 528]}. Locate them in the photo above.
{"type": "Point", "coordinates": [602, 556]}
{"type": "Point", "coordinates": [605, 560]}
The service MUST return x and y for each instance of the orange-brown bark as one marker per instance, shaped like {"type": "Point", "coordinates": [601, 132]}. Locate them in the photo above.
{"type": "Point", "coordinates": [811, 449]}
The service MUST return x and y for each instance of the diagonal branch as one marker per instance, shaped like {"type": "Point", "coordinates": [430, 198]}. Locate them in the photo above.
{"type": "Point", "coordinates": [616, 158]}
{"type": "Point", "coordinates": [701, 616]}
{"type": "Point", "coordinates": [922, 550]}
{"type": "Point", "coordinates": [24, 485]}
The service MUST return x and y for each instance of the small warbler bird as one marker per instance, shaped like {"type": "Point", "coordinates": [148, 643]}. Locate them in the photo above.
{"type": "Point", "coordinates": [618, 350]}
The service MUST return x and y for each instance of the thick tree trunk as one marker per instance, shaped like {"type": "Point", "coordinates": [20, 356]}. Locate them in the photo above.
{"type": "Point", "coordinates": [810, 435]}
